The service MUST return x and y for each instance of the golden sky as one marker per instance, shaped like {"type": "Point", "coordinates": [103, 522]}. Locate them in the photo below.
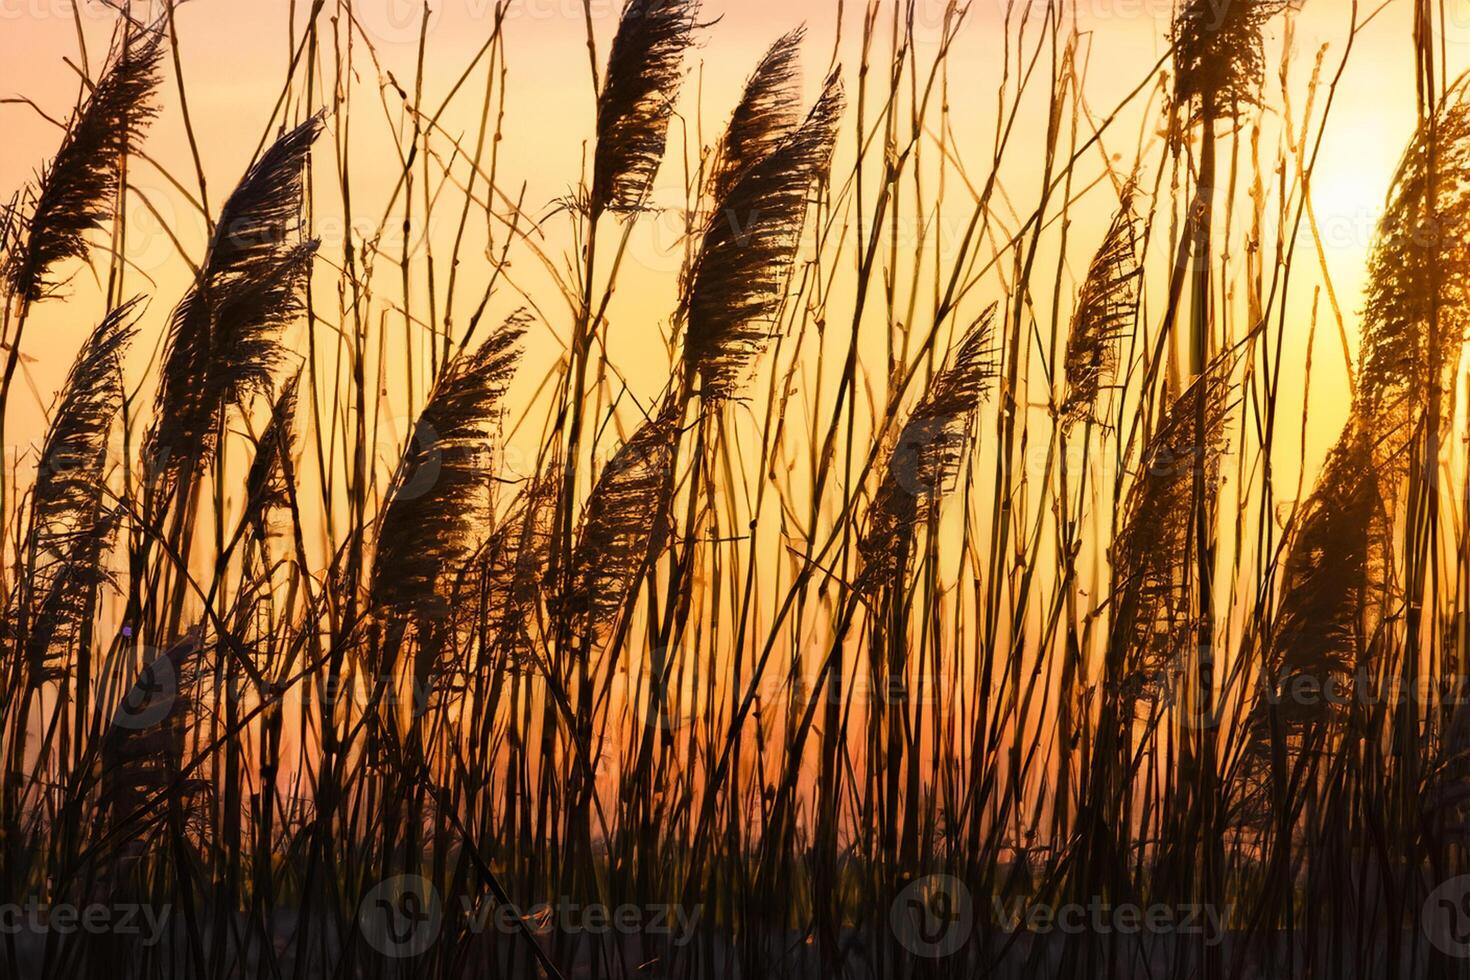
{"type": "Point", "coordinates": [234, 57]}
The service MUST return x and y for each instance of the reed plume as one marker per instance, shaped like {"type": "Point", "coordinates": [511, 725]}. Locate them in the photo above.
{"type": "Point", "coordinates": [1335, 565]}
{"type": "Point", "coordinates": [625, 525]}
{"type": "Point", "coordinates": [224, 338]}
{"type": "Point", "coordinates": [1106, 308]}
{"type": "Point", "coordinates": [271, 474]}
{"type": "Point", "coordinates": [1219, 59]}
{"type": "Point", "coordinates": [925, 461]}
{"type": "Point", "coordinates": [440, 502]}
{"type": "Point", "coordinates": [142, 750]}
{"type": "Point", "coordinates": [517, 562]}
{"type": "Point", "coordinates": [1415, 317]}
{"type": "Point", "coordinates": [734, 289]}
{"type": "Point", "coordinates": [768, 112]}
{"type": "Point", "coordinates": [644, 71]}
{"type": "Point", "coordinates": [1154, 624]}
{"type": "Point", "coordinates": [71, 526]}
{"type": "Point", "coordinates": [10, 230]}
{"type": "Point", "coordinates": [78, 191]}
{"type": "Point", "coordinates": [1337, 574]}
{"type": "Point", "coordinates": [1334, 584]}
{"type": "Point", "coordinates": [1417, 309]}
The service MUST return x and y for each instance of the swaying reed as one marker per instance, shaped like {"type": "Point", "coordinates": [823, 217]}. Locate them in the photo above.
{"type": "Point", "coordinates": [78, 191]}
{"type": "Point", "coordinates": [1334, 584]}
{"type": "Point", "coordinates": [1106, 310]}
{"type": "Point", "coordinates": [750, 241]}
{"type": "Point", "coordinates": [10, 224]}
{"type": "Point", "coordinates": [1417, 309]}
{"type": "Point", "coordinates": [224, 339]}
{"type": "Point", "coordinates": [644, 71]}
{"type": "Point", "coordinates": [625, 526]}
{"type": "Point", "coordinates": [71, 524]}
{"type": "Point", "coordinates": [1337, 572]}
{"type": "Point", "coordinates": [1416, 316]}
{"type": "Point", "coordinates": [272, 474]}
{"type": "Point", "coordinates": [439, 507]}
{"type": "Point", "coordinates": [768, 112]}
{"type": "Point", "coordinates": [1218, 55]}
{"type": "Point", "coordinates": [143, 751]}
{"type": "Point", "coordinates": [515, 566]}
{"type": "Point", "coordinates": [1154, 622]}
{"type": "Point", "coordinates": [925, 461]}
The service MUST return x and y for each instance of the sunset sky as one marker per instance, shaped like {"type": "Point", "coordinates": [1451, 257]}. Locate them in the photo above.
{"type": "Point", "coordinates": [923, 473]}
{"type": "Point", "coordinates": [235, 55]}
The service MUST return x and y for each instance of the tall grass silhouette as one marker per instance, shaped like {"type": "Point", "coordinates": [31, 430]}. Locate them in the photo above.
{"type": "Point", "coordinates": [911, 563]}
